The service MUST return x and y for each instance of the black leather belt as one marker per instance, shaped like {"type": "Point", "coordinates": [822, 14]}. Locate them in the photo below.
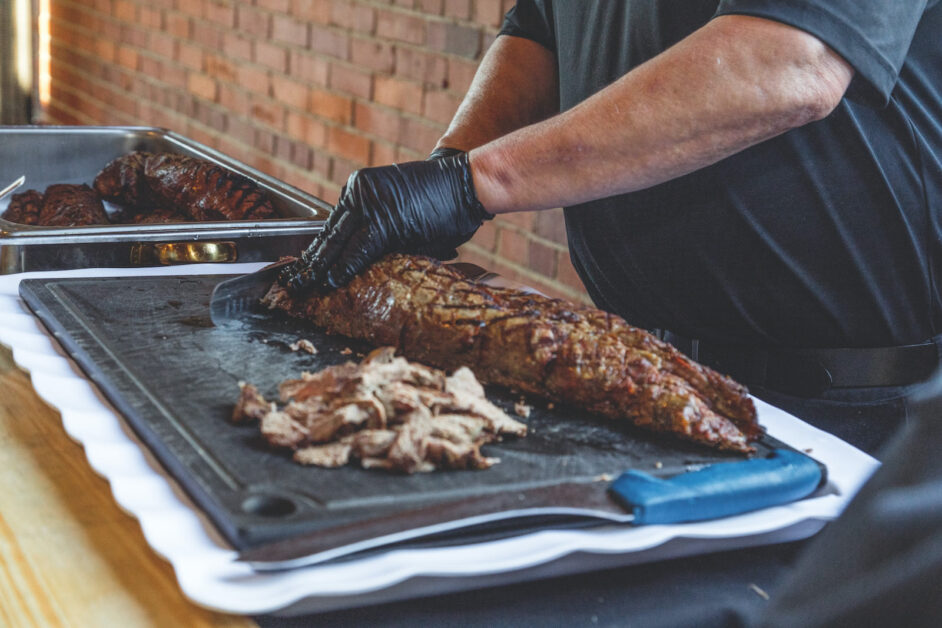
{"type": "Point", "coordinates": [810, 372]}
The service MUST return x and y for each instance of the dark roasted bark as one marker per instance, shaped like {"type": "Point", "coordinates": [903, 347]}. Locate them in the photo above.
{"type": "Point", "coordinates": [24, 208]}
{"type": "Point", "coordinates": [122, 182]}
{"type": "Point", "coordinates": [203, 190]}
{"type": "Point", "coordinates": [564, 352]}
{"type": "Point", "coordinates": [70, 205]}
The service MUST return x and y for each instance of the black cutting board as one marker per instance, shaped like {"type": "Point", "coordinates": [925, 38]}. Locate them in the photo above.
{"type": "Point", "coordinates": [149, 345]}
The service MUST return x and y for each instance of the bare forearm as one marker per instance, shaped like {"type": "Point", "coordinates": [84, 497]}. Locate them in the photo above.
{"type": "Point", "coordinates": [734, 83]}
{"type": "Point", "coordinates": [515, 86]}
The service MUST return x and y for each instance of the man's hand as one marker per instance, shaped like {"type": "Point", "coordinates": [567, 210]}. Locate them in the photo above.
{"type": "Point", "coordinates": [409, 207]}
{"type": "Point", "coordinates": [442, 249]}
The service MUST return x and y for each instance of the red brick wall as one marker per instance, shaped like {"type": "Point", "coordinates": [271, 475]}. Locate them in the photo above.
{"type": "Point", "coordinates": [305, 90]}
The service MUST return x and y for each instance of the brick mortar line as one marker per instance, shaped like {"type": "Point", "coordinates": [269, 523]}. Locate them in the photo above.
{"type": "Point", "coordinates": [484, 29]}
{"type": "Point", "coordinates": [313, 175]}
{"type": "Point", "coordinates": [288, 46]}
{"type": "Point", "coordinates": [255, 122]}
{"type": "Point", "coordinates": [385, 6]}
{"type": "Point", "coordinates": [216, 105]}
{"type": "Point", "coordinates": [84, 94]}
{"type": "Point", "coordinates": [528, 274]}
{"type": "Point", "coordinates": [355, 34]}
{"type": "Point", "coordinates": [151, 54]}
{"type": "Point", "coordinates": [89, 120]}
{"type": "Point", "coordinates": [376, 4]}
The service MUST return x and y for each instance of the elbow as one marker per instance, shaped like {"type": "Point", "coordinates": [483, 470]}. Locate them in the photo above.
{"type": "Point", "coordinates": [797, 77]}
{"type": "Point", "coordinates": [820, 79]}
{"type": "Point", "coordinates": [823, 93]}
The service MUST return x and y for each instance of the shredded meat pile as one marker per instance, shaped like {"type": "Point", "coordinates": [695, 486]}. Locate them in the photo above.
{"type": "Point", "coordinates": [386, 412]}
{"type": "Point", "coordinates": [149, 188]}
{"type": "Point", "coordinates": [564, 352]}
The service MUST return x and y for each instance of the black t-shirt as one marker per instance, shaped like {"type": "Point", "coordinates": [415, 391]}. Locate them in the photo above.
{"type": "Point", "coordinates": [828, 235]}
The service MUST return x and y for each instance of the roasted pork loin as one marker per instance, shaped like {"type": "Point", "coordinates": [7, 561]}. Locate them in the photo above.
{"type": "Point", "coordinates": [577, 355]}
{"type": "Point", "coordinates": [140, 181]}
{"type": "Point", "coordinates": [70, 205]}
{"type": "Point", "coordinates": [62, 205]}
{"type": "Point", "coordinates": [149, 188]}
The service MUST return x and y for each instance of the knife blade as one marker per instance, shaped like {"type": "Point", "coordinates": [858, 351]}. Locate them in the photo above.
{"type": "Point", "coordinates": [635, 497]}
{"type": "Point", "coordinates": [233, 299]}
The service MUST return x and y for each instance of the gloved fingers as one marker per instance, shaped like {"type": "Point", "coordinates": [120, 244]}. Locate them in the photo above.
{"type": "Point", "coordinates": [329, 225]}
{"type": "Point", "coordinates": [311, 268]}
{"type": "Point", "coordinates": [361, 249]}
{"type": "Point", "coordinates": [330, 248]}
{"type": "Point", "coordinates": [299, 275]}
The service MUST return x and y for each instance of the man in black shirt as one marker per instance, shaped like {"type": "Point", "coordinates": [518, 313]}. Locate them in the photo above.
{"type": "Point", "coordinates": [758, 179]}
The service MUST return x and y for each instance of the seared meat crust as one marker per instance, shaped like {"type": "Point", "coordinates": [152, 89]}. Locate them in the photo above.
{"type": "Point", "coordinates": [561, 351]}
{"type": "Point", "coordinates": [70, 205]}
{"type": "Point", "coordinates": [122, 181]}
{"type": "Point", "coordinates": [63, 205]}
{"type": "Point", "coordinates": [200, 188]}
{"type": "Point", "coordinates": [24, 208]}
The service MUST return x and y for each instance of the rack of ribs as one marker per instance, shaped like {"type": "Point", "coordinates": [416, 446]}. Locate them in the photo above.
{"type": "Point", "coordinates": [576, 355]}
{"type": "Point", "coordinates": [140, 181]}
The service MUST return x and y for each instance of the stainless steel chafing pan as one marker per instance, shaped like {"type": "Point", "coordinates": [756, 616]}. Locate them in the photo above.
{"type": "Point", "coordinates": [57, 154]}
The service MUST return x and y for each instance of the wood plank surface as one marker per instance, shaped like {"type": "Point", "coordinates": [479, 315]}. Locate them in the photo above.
{"type": "Point", "coordinates": [68, 555]}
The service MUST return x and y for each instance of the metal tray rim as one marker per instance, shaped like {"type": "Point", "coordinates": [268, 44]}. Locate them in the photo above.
{"type": "Point", "coordinates": [32, 234]}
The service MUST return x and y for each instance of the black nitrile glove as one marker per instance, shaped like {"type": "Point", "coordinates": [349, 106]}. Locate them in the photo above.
{"type": "Point", "coordinates": [399, 208]}
{"type": "Point", "coordinates": [443, 151]}
{"type": "Point", "coordinates": [448, 248]}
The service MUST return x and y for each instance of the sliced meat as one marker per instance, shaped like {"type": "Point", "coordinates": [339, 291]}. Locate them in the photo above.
{"type": "Point", "coordinates": [251, 405]}
{"type": "Point", "coordinates": [385, 412]}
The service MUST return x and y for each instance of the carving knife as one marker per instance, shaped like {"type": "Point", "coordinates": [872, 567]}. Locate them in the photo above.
{"type": "Point", "coordinates": [635, 497]}
{"type": "Point", "coordinates": [234, 299]}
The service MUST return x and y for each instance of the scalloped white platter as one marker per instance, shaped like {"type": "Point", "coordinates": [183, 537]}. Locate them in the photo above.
{"type": "Point", "coordinates": [205, 564]}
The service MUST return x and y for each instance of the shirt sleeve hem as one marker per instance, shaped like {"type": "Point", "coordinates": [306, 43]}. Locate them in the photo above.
{"type": "Point", "coordinates": [513, 30]}
{"type": "Point", "coordinates": [875, 75]}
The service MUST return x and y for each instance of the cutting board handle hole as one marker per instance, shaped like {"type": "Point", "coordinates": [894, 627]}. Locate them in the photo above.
{"type": "Point", "coordinates": [269, 506]}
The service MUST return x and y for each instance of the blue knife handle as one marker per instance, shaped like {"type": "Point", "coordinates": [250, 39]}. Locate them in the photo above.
{"type": "Point", "coordinates": [719, 490]}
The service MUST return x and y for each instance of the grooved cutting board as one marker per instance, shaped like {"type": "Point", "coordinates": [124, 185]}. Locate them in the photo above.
{"type": "Point", "coordinates": [149, 345]}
